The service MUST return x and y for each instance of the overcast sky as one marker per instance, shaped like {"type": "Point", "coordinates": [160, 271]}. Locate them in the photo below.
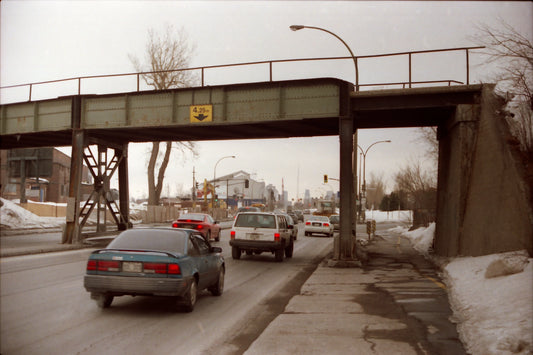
{"type": "Point", "coordinates": [48, 40]}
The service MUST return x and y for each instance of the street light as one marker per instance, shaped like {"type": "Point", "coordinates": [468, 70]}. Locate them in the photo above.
{"type": "Point", "coordinates": [215, 180]}
{"type": "Point", "coordinates": [363, 197]}
{"type": "Point", "coordinates": [300, 27]}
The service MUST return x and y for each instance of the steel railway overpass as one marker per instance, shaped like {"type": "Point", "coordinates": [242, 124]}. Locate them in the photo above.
{"type": "Point", "coordinates": [482, 197]}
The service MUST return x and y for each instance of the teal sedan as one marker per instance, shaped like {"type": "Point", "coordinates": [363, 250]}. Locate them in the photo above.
{"type": "Point", "coordinates": [168, 262]}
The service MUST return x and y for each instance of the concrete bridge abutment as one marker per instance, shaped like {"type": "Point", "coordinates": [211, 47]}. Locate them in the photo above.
{"type": "Point", "coordinates": [483, 198]}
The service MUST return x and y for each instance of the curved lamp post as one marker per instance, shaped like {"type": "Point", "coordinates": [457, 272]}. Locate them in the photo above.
{"type": "Point", "coordinates": [363, 153]}
{"type": "Point", "coordinates": [215, 181]}
{"type": "Point", "coordinates": [300, 27]}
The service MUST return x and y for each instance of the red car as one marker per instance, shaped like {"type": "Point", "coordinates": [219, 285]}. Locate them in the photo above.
{"type": "Point", "coordinates": [201, 222]}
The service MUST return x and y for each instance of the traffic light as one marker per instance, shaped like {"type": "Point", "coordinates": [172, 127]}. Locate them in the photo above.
{"type": "Point", "coordinates": [325, 178]}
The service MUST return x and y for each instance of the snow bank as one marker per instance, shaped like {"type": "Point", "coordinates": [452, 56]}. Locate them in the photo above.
{"type": "Point", "coordinates": [421, 238]}
{"type": "Point", "coordinates": [491, 297]}
{"type": "Point", "coordinates": [494, 314]}
{"type": "Point", "coordinates": [14, 216]}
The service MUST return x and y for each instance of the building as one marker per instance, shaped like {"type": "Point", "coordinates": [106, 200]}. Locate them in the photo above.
{"type": "Point", "coordinates": [45, 173]}
{"type": "Point", "coordinates": [238, 189]}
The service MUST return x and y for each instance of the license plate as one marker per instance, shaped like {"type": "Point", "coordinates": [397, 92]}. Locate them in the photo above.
{"type": "Point", "coordinates": [317, 224]}
{"type": "Point", "coordinates": [254, 236]}
{"type": "Point", "coordinates": [128, 266]}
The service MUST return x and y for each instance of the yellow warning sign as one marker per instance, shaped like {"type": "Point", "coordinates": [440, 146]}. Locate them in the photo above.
{"type": "Point", "coordinates": [201, 113]}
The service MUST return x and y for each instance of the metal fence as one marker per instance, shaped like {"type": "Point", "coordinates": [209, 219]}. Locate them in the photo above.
{"type": "Point", "coordinates": [357, 59]}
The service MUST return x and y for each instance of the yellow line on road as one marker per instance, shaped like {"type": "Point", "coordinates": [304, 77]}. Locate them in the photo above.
{"type": "Point", "coordinates": [436, 282]}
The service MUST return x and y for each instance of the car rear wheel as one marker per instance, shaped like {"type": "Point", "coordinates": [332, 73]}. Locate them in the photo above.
{"type": "Point", "coordinates": [218, 288]}
{"type": "Point", "coordinates": [289, 249]}
{"type": "Point", "coordinates": [235, 253]}
{"type": "Point", "coordinates": [279, 254]}
{"type": "Point", "coordinates": [189, 299]}
{"type": "Point", "coordinates": [104, 301]}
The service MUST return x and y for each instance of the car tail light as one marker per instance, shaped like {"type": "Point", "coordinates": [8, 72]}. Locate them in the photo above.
{"type": "Point", "coordinates": [276, 237]}
{"type": "Point", "coordinates": [174, 269]}
{"type": "Point", "coordinates": [161, 268]}
{"type": "Point", "coordinates": [199, 226]}
{"type": "Point", "coordinates": [232, 234]}
{"type": "Point", "coordinates": [326, 224]}
{"type": "Point", "coordinates": [174, 225]}
{"type": "Point", "coordinates": [107, 265]}
{"type": "Point", "coordinates": [91, 265]}
{"type": "Point", "coordinates": [155, 268]}
{"type": "Point", "coordinates": [307, 223]}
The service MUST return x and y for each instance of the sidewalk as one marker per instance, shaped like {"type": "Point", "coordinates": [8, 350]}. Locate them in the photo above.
{"type": "Point", "coordinates": [394, 304]}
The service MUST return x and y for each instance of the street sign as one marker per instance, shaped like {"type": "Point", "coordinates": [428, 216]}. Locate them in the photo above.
{"type": "Point", "coordinates": [201, 113]}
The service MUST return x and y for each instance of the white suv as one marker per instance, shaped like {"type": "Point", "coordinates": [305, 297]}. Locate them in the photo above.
{"type": "Point", "coordinates": [256, 232]}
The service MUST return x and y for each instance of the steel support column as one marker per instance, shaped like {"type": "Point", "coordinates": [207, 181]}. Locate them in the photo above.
{"type": "Point", "coordinates": [346, 188]}
{"type": "Point", "coordinates": [124, 192]}
{"type": "Point", "coordinates": [72, 232]}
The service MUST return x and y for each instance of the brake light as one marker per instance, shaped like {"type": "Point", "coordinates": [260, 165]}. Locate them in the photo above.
{"type": "Point", "coordinates": [326, 224]}
{"type": "Point", "coordinates": [107, 265]}
{"type": "Point", "coordinates": [199, 226]}
{"type": "Point", "coordinates": [91, 265]}
{"type": "Point", "coordinates": [155, 268]}
{"type": "Point", "coordinates": [307, 223]}
{"type": "Point", "coordinates": [232, 234]}
{"type": "Point", "coordinates": [174, 225]}
{"type": "Point", "coordinates": [174, 269]}
{"type": "Point", "coordinates": [276, 237]}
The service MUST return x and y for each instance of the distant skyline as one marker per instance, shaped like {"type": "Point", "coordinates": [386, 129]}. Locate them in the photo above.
{"type": "Point", "coordinates": [48, 40]}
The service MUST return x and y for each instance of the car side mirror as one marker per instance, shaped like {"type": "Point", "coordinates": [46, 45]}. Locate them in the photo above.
{"type": "Point", "coordinates": [216, 250]}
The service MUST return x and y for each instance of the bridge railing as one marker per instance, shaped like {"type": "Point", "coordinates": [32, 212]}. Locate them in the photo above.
{"type": "Point", "coordinates": [409, 83]}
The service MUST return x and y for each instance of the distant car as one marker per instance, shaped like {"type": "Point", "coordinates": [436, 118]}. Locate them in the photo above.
{"type": "Point", "coordinates": [300, 215]}
{"type": "Point", "coordinates": [294, 216]}
{"type": "Point", "coordinates": [258, 232]}
{"type": "Point", "coordinates": [155, 262]}
{"type": "Point", "coordinates": [318, 225]}
{"type": "Point", "coordinates": [292, 222]}
{"type": "Point", "coordinates": [335, 220]}
{"type": "Point", "coordinates": [201, 222]}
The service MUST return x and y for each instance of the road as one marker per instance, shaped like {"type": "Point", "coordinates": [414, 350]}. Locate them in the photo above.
{"type": "Point", "coordinates": [44, 308]}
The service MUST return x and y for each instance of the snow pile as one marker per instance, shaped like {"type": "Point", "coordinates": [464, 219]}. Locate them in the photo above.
{"type": "Point", "coordinates": [14, 216]}
{"type": "Point", "coordinates": [492, 302]}
{"type": "Point", "coordinates": [491, 297]}
{"type": "Point", "coordinates": [389, 216]}
{"type": "Point", "coordinates": [421, 238]}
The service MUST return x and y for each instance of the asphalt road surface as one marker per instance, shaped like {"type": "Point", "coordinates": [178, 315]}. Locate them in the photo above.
{"type": "Point", "coordinates": [44, 308]}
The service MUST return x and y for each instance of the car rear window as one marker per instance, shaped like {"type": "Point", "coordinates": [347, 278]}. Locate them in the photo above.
{"type": "Point", "coordinates": [192, 217]}
{"type": "Point", "coordinates": [150, 239]}
{"type": "Point", "coordinates": [256, 220]}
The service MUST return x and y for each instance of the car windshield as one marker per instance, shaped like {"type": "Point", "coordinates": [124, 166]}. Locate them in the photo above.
{"type": "Point", "coordinates": [256, 220]}
{"type": "Point", "coordinates": [334, 218]}
{"type": "Point", "coordinates": [171, 240]}
{"type": "Point", "coordinates": [192, 217]}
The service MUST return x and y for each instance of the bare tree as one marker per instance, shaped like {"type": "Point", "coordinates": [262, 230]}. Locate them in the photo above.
{"type": "Point", "coordinates": [514, 53]}
{"type": "Point", "coordinates": [420, 185]}
{"type": "Point", "coordinates": [164, 54]}
{"type": "Point", "coordinates": [428, 137]}
{"type": "Point", "coordinates": [375, 190]}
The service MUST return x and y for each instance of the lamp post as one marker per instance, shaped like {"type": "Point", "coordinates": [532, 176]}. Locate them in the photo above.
{"type": "Point", "coordinates": [215, 180]}
{"type": "Point", "coordinates": [363, 189]}
{"type": "Point", "coordinates": [300, 27]}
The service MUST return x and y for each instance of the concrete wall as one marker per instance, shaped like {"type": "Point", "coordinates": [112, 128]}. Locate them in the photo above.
{"type": "Point", "coordinates": [45, 210]}
{"type": "Point", "coordinates": [483, 199]}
